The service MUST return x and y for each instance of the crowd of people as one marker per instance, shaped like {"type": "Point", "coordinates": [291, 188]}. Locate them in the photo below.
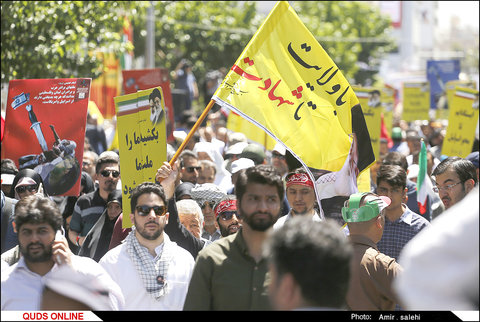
{"type": "Point", "coordinates": [233, 226]}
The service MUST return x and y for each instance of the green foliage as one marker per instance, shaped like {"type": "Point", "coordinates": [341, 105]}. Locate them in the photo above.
{"type": "Point", "coordinates": [353, 33]}
{"type": "Point", "coordinates": [55, 39]}
{"type": "Point", "coordinates": [48, 39]}
{"type": "Point", "coordinates": [211, 34]}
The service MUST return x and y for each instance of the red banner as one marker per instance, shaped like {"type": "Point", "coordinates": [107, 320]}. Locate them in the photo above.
{"type": "Point", "coordinates": [141, 79]}
{"type": "Point", "coordinates": [45, 130]}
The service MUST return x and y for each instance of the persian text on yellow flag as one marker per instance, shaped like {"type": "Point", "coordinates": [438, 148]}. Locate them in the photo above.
{"type": "Point", "coordinates": [142, 140]}
{"type": "Point", "coordinates": [462, 121]}
{"type": "Point", "coordinates": [285, 83]}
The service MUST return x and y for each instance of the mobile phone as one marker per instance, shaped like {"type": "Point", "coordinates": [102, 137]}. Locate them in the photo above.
{"type": "Point", "coordinates": [59, 237]}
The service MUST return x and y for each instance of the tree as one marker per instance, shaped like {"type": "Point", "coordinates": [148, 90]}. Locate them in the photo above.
{"type": "Point", "coordinates": [211, 34]}
{"type": "Point", "coordinates": [353, 33]}
{"type": "Point", "coordinates": [56, 39]}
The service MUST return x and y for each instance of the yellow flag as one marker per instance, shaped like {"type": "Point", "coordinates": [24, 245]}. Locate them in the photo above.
{"type": "Point", "coordinates": [450, 88]}
{"type": "Point", "coordinates": [416, 101]}
{"type": "Point", "coordinates": [285, 83]}
{"type": "Point", "coordinates": [370, 100]}
{"type": "Point", "coordinates": [253, 133]}
{"type": "Point", "coordinates": [462, 121]}
{"type": "Point", "coordinates": [388, 103]}
{"type": "Point", "coordinates": [142, 140]}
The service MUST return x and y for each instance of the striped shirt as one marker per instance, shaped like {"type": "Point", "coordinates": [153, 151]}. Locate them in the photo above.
{"type": "Point", "coordinates": [86, 212]}
{"type": "Point", "coordinates": [398, 233]}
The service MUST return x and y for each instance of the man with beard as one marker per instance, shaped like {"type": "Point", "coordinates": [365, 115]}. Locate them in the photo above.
{"type": "Point", "coordinates": [152, 271]}
{"type": "Point", "coordinates": [37, 219]}
{"type": "Point", "coordinates": [156, 110]}
{"type": "Point", "coordinates": [454, 178]}
{"type": "Point", "coordinates": [89, 207]}
{"type": "Point", "coordinates": [231, 273]}
{"type": "Point", "coordinates": [301, 197]}
{"type": "Point", "coordinates": [227, 216]}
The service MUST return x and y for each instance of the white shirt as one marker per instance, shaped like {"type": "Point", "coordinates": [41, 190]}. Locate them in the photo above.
{"type": "Point", "coordinates": [22, 289]}
{"type": "Point", "coordinates": [118, 264]}
{"type": "Point", "coordinates": [282, 220]}
{"type": "Point", "coordinates": [441, 262]}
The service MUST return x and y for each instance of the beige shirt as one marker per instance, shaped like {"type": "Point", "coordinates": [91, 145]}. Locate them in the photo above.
{"type": "Point", "coordinates": [372, 274]}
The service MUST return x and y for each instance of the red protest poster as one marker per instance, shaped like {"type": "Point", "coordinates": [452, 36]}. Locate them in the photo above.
{"type": "Point", "coordinates": [141, 79]}
{"type": "Point", "coordinates": [45, 130]}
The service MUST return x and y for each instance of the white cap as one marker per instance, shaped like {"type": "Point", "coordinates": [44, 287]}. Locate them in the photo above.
{"type": "Point", "coordinates": [180, 135]}
{"type": "Point", "coordinates": [413, 171]}
{"type": "Point", "coordinates": [280, 148]}
{"type": "Point", "coordinates": [242, 163]}
{"type": "Point", "coordinates": [237, 148]}
{"type": "Point", "coordinates": [87, 288]}
{"type": "Point", "coordinates": [7, 178]}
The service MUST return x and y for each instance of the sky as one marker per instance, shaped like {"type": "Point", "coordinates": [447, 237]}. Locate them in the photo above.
{"type": "Point", "coordinates": [467, 11]}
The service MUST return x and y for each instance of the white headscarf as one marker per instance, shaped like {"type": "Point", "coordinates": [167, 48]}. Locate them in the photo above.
{"type": "Point", "coordinates": [223, 178]}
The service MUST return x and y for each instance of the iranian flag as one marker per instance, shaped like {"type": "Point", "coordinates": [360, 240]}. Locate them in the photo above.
{"type": "Point", "coordinates": [424, 184]}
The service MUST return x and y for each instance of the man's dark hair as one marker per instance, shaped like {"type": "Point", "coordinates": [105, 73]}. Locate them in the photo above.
{"type": "Point", "coordinates": [262, 174]}
{"type": "Point", "coordinates": [396, 158]}
{"type": "Point", "coordinates": [37, 209]}
{"type": "Point", "coordinates": [317, 254]}
{"type": "Point", "coordinates": [186, 154]}
{"type": "Point", "coordinates": [155, 93]}
{"type": "Point", "coordinates": [394, 175]}
{"type": "Point", "coordinates": [9, 167]}
{"type": "Point", "coordinates": [146, 187]}
{"type": "Point", "coordinates": [462, 167]}
{"type": "Point", "coordinates": [106, 157]}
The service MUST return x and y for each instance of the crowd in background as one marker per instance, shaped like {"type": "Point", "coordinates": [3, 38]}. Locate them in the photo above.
{"type": "Point", "coordinates": [233, 226]}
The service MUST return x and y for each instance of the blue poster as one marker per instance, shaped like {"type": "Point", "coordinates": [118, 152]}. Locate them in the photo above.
{"type": "Point", "coordinates": [439, 72]}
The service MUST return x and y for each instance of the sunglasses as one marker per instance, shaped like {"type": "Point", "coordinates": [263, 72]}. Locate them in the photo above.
{"type": "Point", "coordinates": [278, 156]}
{"type": "Point", "coordinates": [145, 210]}
{"type": "Point", "coordinates": [191, 169]}
{"type": "Point", "coordinates": [106, 173]}
{"type": "Point", "coordinates": [227, 215]}
{"type": "Point", "coordinates": [210, 203]}
{"type": "Point", "coordinates": [22, 189]}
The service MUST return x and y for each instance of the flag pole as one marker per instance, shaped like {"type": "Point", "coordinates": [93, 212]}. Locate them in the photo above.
{"type": "Point", "coordinates": [192, 131]}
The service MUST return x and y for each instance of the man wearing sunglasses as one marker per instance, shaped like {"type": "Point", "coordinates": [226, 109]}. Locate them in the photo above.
{"type": "Point", "coordinates": [89, 207]}
{"type": "Point", "coordinates": [189, 166]}
{"type": "Point", "coordinates": [152, 271]}
{"type": "Point", "coordinates": [454, 179]}
{"type": "Point", "coordinates": [207, 195]}
{"type": "Point", "coordinates": [227, 216]}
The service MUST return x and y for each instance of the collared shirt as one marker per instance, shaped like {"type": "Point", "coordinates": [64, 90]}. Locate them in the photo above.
{"type": "Point", "coordinates": [216, 235]}
{"type": "Point", "coordinates": [86, 212]}
{"type": "Point", "coordinates": [282, 220]}
{"type": "Point", "coordinates": [22, 289]}
{"type": "Point", "coordinates": [371, 277]}
{"type": "Point", "coordinates": [398, 233]}
{"type": "Point", "coordinates": [118, 264]}
{"type": "Point", "coordinates": [226, 277]}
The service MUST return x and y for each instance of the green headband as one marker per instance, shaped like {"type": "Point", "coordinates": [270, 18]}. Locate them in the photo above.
{"type": "Point", "coordinates": [355, 213]}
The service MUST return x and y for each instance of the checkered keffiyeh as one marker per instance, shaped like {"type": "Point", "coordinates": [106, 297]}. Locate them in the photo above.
{"type": "Point", "coordinates": [152, 271]}
{"type": "Point", "coordinates": [207, 192]}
